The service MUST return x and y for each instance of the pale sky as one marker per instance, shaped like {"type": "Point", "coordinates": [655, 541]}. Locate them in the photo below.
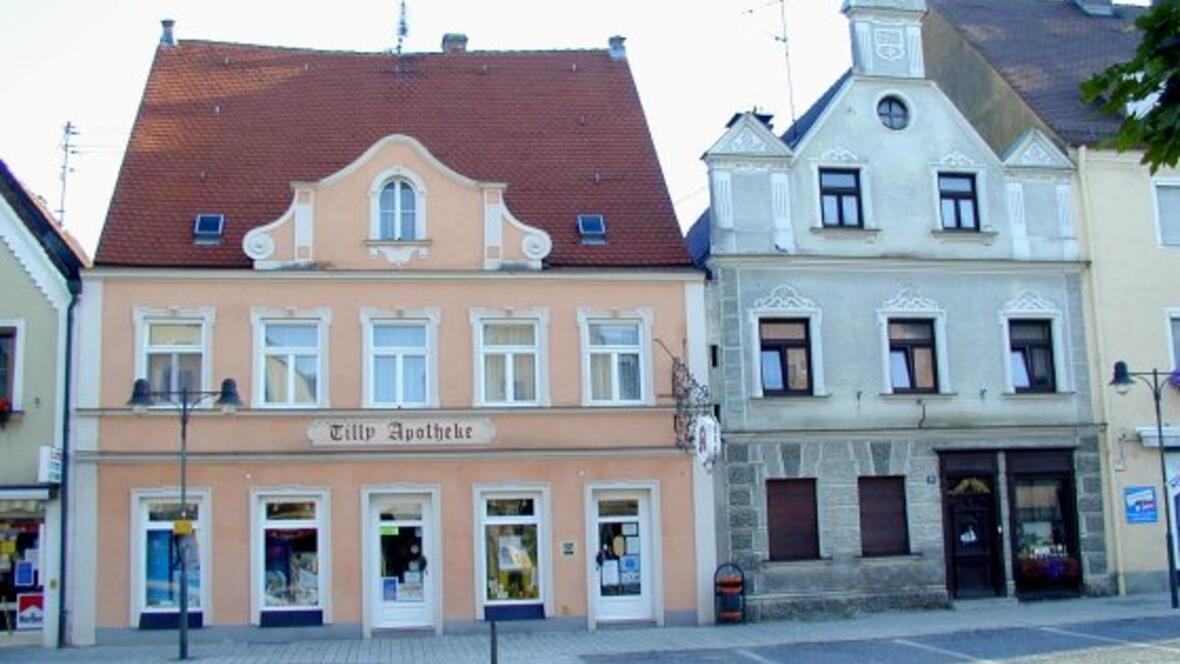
{"type": "Point", "coordinates": [695, 63]}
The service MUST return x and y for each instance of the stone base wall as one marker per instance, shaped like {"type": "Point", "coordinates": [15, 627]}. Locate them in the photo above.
{"type": "Point", "coordinates": [809, 607]}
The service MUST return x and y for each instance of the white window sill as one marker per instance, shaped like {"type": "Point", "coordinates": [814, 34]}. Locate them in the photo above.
{"type": "Point", "coordinates": [953, 235]}
{"type": "Point", "coordinates": [1039, 396]}
{"type": "Point", "coordinates": [846, 232]}
{"type": "Point", "coordinates": [293, 406]}
{"type": "Point", "coordinates": [890, 558]}
{"type": "Point", "coordinates": [786, 398]}
{"type": "Point", "coordinates": [615, 404]}
{"type": "Point", "coordinates": [913, 396]}
{"type": "Point", "coordinates": [396, 243]}
{"type": "Point", "coordinates": [510, 404]}
{"type": "Point", "coordinates": [397, 406]}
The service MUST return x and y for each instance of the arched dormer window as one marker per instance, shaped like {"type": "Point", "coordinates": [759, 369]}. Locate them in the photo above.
{"type": "Point", "coordinates": [398, 211]}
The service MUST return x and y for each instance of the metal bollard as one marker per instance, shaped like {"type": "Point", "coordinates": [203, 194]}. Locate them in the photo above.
{"type": "Point", "coordinates": [495, 645]}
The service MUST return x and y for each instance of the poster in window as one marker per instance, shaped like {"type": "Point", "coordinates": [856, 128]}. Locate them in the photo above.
{"type": "Point", "coordinates": [389, 588]}
{"type": "Point", "coordinates": [629, 564]}
{"type": "Point", "coordinates": [610, 573]}
{"type": "Point", "coordinates": [631, 528]}
{"type": "Point", "coordinates": [633, 546]}
{"type": "Point", "coordinates": [24, 577]}
{"type": "Point", "coordinates": [513, 556]}
{"type": "Point", "coordinates": [1141, 505]}
{"type": "Point", "coordinates": [30, 611]}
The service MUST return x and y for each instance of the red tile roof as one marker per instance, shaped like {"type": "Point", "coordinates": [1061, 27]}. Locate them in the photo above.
{"type": "Point", "coordinates": [225, 128]}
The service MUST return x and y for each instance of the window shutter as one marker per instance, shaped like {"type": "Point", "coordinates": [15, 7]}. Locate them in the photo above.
{"type": "Point", "coordinates": [883, 528]}
{"type": "Point", "coordinates": [791, 519]}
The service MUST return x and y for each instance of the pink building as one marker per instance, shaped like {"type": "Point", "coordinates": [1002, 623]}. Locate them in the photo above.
{"type": "Point", "coordinates": [451, 290]}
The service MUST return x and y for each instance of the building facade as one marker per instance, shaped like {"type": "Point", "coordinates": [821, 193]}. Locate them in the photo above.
{"type": "Point", "coordinates": [454, 344]}
{"type": "Point", "coordinates": [896, 318]}
{"type": "Point", "coordinates": [39, 268]}
{"type": "Point", "coordinates": [1129, 230]}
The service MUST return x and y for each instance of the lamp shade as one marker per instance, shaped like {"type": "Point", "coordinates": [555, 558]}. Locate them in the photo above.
{"type": "Point", "coordinates": [1122, 380]}
{"type": "Point", "coordinates": [229, 398]}
{"type": "Point", "coordinates": [141, 394]}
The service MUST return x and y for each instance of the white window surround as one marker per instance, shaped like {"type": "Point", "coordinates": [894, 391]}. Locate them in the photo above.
{"type": "Point", "coordinates": [785, 302]}
{"type": "Point", "coordinates": [18, 365]}
{"type": "Point", "coordinates": [539, 492]}
{"type": "Point", "coordinates": [539, 316]}
{"type": "Point", "coordinates": [911, 107]}
{"type": "Point", "coordinates": [144, 317]}
{"type": "Point", "coordinates": [958, 164]}
{"type": "Point", "coordinates": [909, 304]}
{"type": "Point", "coordinates": [378, 185]}
{"type": "Point", "coordinates": [641, 316]}
{"type": "Point", "coordinates": [259, 496]}
{"type": "Point", "coordinates": [140, 498]}
{"type": "Point", "coordinates": [259, 317]}
{"type": "Point", "coordinates": [1173, 314]}
{"type": "Point", "coordinates": [1030, 306]}
{"type": "Point", "coordinates": [844, 159]}
{"type": "Point", "coordinates": [430, 317]}
{"type": "Point", "coordinates": [1156, 183]}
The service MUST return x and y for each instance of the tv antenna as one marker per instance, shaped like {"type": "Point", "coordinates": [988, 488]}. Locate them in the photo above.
{"type": "Point", "coordinates": [67, 133]}
{"type": "Point", "coordinates": [403, 27]}
{"type": "Point", "coordinates": [785, 39]}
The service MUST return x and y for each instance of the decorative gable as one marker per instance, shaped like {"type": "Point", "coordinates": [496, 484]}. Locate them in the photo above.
{"type": "Point", "coordinates": [1034, 150]}
{"type": "Point", "coordinates": [397, 206]}
{"type": "Point", "coordinates": [748, 137]}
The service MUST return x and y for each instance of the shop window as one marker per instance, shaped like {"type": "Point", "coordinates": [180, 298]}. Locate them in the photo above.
{"type": "Point", "coordinates": [291, 363]}
{"type": "Point", "coordinates": [21, 554]}
{"type": "Point", "coordinates": [912, 363]}
{"type": "Point", "coordinates": [511, 525]}
{"type": "Point", "coordinates": [792, 520]}
{"type": "Point", "coordinates": [174, 355]}
{"type": "Point", "coordinates": [162, 549]}
{"type": "Point", "coordinates": [884, 529]}
{"type": "Point", "coordinates": [840, 198]}
{"type": "Point", "coordinates": [292, 559]}
{"type": "Point", "coordinates": [1031, 354]}
{"type": "Point", "coordinates": [510, 362]}
{"type": "Point", "coordinates": [616, 362]}
{"type": "Point", "coordinates": [399, 364]}
{"type": "Point", "coordinates": [957, 202]}
{"type": "Point", "coordinates": [1045, 554]}
{"type": "Point", "coordinates": [8, 363]}
{"type": "Point", "coordinates": [785, 356]}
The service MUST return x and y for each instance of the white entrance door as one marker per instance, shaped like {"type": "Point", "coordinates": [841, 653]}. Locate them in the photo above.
{"type": "Point", "coordinates": [622, 564]}
{"type": "Point", "coordinates": [402, 562]}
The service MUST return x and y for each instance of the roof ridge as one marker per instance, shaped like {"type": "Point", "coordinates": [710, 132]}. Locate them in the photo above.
{"type": "Point", "coordinates": [387, 53]}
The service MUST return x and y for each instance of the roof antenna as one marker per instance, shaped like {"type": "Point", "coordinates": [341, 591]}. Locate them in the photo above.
{"type": "Point", "coordinates": [787, 57]}
{"type": "Point", "coordinates": [67, 133]}
{"type": "Point", "coordinates": [403, 27]}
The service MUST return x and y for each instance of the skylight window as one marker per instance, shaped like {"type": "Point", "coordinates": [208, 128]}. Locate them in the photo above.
{"type": "Point", "coordinates": [207, 228]}
{"type": "Point", "coordinates": [592, 228]}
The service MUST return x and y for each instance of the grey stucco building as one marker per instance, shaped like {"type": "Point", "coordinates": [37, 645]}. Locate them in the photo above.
{"type": "Point", "coordinates": [896, 323]}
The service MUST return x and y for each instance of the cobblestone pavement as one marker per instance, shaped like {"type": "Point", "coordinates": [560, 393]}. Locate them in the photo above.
{"type": "Point", "coordinates": [1140, 628]}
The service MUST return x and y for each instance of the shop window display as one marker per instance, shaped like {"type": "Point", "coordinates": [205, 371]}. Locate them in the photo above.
{"type": "Point", "coordinates": [292, 561]}
{"type": "Point", "coordinates": [511, 550]}
{"type": "Point", "coordinates": [165, 552]}
{"type": "Point", "coordinates": [20, 562]}
{"type": "Point", "coordinates": [1046, 557]}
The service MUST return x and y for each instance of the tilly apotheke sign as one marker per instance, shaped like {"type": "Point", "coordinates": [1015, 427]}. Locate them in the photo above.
{"type": "Point", "coordinates": [403, 431]}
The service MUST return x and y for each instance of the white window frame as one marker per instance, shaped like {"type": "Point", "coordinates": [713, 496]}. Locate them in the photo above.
{"type": "Point", "coordinates": [429, 318]}
{"type": "Point", "coordinates": [145, 317]}
{"type": "Point", "coordinates": [259, 318]}
{"type": "Point", "coordinates": [1156, 183]}
{"type": "Point", "coordinates": [642, 318]}
{"type": "Point", "coordinates": [909, 305]}
{"type": "Point", "coordinates": [140, 499]}
{"type": "Point", "coordinates": [18, 361]}
{"type": "Point", "coordinates": [785, 302]}
{"type": "Point", "coordinates": [1172, 314]}
{"type": "Point", "coordinates": [539, 492]}
{"type": "Point", "coordinates": [1030, 306]}
{"type": "Point", "coordinates": [866, 201]}
{"type": "Point", "coordinates": [259, 497]}
{"type": "Point", "coordinates": [378, 185]}
{"type": "Point", "coordinates": [539, 317]}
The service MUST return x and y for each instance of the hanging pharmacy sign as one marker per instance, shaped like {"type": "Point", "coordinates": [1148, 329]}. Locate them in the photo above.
{"type": "Point", "coordinates": [706, 438]}
{"type": "Point", "coordinates": [396, 431]}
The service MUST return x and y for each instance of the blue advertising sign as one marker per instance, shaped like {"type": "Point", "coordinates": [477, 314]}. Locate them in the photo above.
{"type": "Point", "coordinates": [1140, 504]}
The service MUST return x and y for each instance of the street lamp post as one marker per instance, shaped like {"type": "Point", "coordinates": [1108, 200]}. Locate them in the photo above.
{"type": "Point", "coordinates": [1123, 379]}
{"type": "Point", "coordinates": [184, 400]}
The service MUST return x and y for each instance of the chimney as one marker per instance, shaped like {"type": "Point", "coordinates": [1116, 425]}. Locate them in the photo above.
{"type": "Point", "coordinates": [1096, 7]}
{"type": "Point", "coordinates": [454, 42]}
{"type": "Point", "coordinates": [166, 37]}
{"type": "Point", "coordinates": [617, 50]}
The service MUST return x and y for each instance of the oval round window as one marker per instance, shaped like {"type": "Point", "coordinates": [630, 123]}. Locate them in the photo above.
{"type": "Point", "coordinates": [893, 113]}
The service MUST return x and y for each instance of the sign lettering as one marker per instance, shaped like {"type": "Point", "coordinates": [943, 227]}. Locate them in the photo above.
{"type": "Point", "coordinates": [403, 431]}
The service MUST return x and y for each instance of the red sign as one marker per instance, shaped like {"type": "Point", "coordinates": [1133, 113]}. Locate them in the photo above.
{"type": "Point", "coordinates": [30, 611]}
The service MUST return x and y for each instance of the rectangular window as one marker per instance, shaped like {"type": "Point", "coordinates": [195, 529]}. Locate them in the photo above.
{"type": "Point", "coordinates": [174, 355]}
{"type": "Point", "coordinates": [1031, 354]}
{"type": "Point", "coordinates": [165, 551]}
{"type": "Point", "coordinates": [1167, 201]}
{"type": "Point", "coordinates": [785, 356]}
{"type": "Point", "coordinates": [1175, 321]}
{"type": "Point", "coordinates": [791, 519]}
{"type": "Point", "coordinates": [8, 363]}
{"type": "Point", "coordinates": [957, 201]}
{"type": "Point", "coordinates": [510, 366]}
{"type": "Point", "coordinates": [912, 362]}
{"type": "Point", "coordinates": [839, 192]}
{"type": "Point", "coordinates": [398, 364]}
{"type": "Point", "coordinates": [512, 564]}
{"type": "Point", "coordinates": [884, 530]}
{"type": "Point", "coordinates": [290, 553]}
{"type": "Point", "coordinates": [291, 363]}
{"type": "Point", "coordinates": [616, 370]}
